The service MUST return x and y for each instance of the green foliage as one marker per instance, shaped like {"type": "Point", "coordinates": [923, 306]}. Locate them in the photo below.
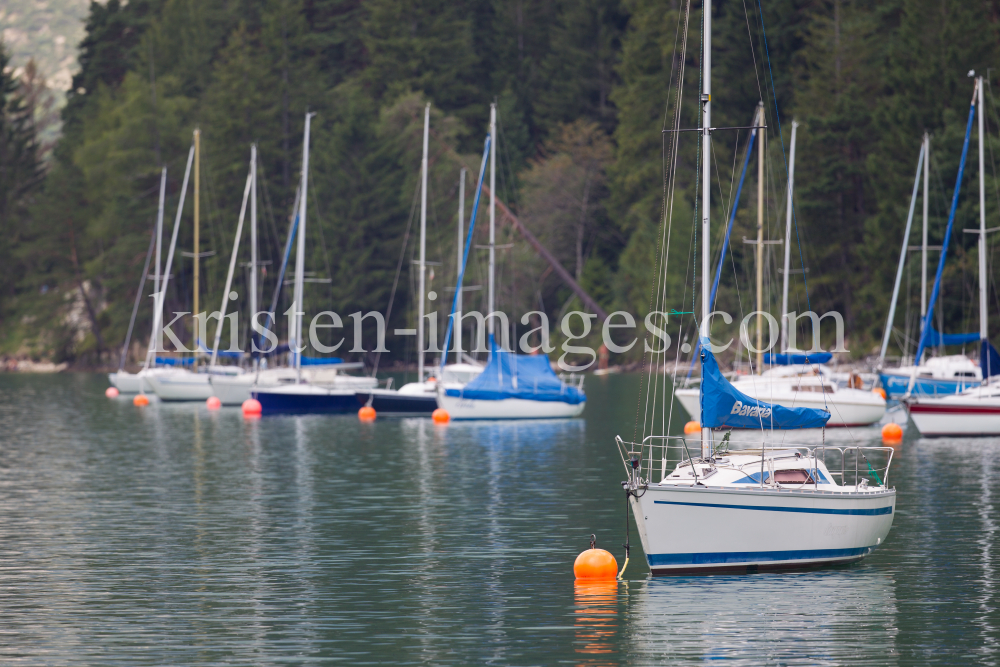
{"type": "Point", "coordinates": [583, 91]}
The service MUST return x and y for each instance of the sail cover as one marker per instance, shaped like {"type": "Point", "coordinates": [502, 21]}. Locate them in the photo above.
{"type": "Point", "coordinates": [932, 337]}
{"type": "Point", "coordinates": [791, 358]}
{"type": "Point", "coordinates": [989, 360]}
{"type": "Point", "coordinates": [722, 405]}
{"type": "Point", "coordinates": [510, 375]}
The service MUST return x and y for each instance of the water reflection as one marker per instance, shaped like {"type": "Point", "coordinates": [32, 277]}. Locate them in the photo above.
{"type": "Point", "coordinates": [171, 535]}
{"type": "Point", "coordinates": [829, 616]}
{"type": "Point", "coordinates": [596, 619]}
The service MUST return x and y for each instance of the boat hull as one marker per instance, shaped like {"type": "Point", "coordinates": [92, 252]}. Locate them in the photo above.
{"type": "Point", "coordinates": [306, 399]}
{"type": "Point", "coordinates": [508, 408]}
{"type": "Point", "coordinates": [895, 385]}
{"type": "Point", "coordinates": [704, 529]}
{"type": "Point", "coordinates": [945, 417]}
{"type": "Point", "coordinates": [127, 383]}
{"type": "Point", "coordinates": [181, 386]}
{"type": "Point", "coordinates": [394, 402]}
{"type": "Point", "coordinates": [842, 413]}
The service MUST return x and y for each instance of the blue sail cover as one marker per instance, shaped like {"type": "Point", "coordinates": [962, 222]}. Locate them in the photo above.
{"type": "Point", "coordinates": [932, 338]}
{"type": "Point", "coordinates": [510, 375]}
{"type": "Point", "coordinates": [723, 406]}
{"type": "Point", "coordinates": [989, 360]}
{"type": "Point", "coordinates": [791, 359]}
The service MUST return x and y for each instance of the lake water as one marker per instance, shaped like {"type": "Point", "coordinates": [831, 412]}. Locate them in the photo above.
{"type": "Point", "coordinates": [171, 535]}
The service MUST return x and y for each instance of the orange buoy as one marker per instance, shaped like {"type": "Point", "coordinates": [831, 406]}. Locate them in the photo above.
{"type": "Point", "coordinates": [440, 416]}
{"type": "Point", "coordinates": [140, 400]}
{"type": "Point", "coordinates": [251, 408]}
{"type": "Point", "coordinates": [213, 403]}
{"type": "Point", "coordinates": [111, 392]}
{"type": "Point", "coordinates": [366, 414]}
{"type": "Point", "coordinates": [595, 565]}
{"type": "Point", "coordinates": [691, 428]}
{"type": "Point", "coordinates": [880, 391]}
{"type": "Point", "coordinates": [892, 433]}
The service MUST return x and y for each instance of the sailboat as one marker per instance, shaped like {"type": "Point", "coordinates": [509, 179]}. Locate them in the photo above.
{"type": "Point", "coordinates": [122, 380]}
{"type": "Point", "coordinates": [796, 378]}
{"type": "Point", "coordinates": [974, 411]}
{"type": "Point", "coordinates": [290, 390]}
{"type": "Point", "coordinates": [944, 374]}
{"type": "Point", "coordinates": [421, 397]}
{"type": "Point", "coordinates": [511, 386]}
{"type": "Point", "coordinates": [747, 507]}
{"type": "Point", "coordinates": [181, 384]}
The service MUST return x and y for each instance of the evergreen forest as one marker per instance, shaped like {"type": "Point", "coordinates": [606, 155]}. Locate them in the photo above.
{"type": "Point", "coordinates": [583, 92]}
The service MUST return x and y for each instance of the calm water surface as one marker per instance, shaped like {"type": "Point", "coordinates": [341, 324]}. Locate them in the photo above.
{"type": "Point", "coordinates": [170, 535]}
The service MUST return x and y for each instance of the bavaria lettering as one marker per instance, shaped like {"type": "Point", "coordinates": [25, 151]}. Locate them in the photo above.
{"type": "Point", "coordinates": [741, 410]}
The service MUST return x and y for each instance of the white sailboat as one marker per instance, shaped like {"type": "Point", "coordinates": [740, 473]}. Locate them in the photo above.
{"type": "Point", "coordinates": [184, 385]}
{"type": "Point", "coordinates": [796, 378]}
{"type": "Point", "coordinates": [974, 411]}
{"type": "Point", "coordinates": [141, 381]}
{"type": "Point", "coordinates": [122, 380]}
{"type": "Point", "coordinates": [747, 508]}
{"type": "Point", "coordinates": [511, 386]}
{"type": "Point", "coordinates": [936, 376]}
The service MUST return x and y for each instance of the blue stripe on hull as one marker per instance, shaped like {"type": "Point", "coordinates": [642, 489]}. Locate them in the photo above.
{"type": "Point", "coordinates": [873, 511]}
{"type": "Point", "coordinates": [738, 557]}
{"type": "Point", "coordinates": [299, 404]}
{"type": "Point", "coordinates": [895, 385]}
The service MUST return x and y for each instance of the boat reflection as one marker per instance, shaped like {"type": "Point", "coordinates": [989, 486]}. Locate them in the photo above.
{"type": "Point", "coordinates": [829, 616]}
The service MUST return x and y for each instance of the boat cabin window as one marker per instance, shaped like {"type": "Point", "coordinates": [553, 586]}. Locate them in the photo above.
{"type": "Point", "coordinates": [964, 374]}
{"type": "Point", "coordinates": [793, 477]}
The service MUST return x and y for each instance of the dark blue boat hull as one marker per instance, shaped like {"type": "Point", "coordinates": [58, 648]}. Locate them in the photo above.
{"type": "Point", "coordinates": [398, 403]}
{"type": "Point", "coordinates": [306, 404]}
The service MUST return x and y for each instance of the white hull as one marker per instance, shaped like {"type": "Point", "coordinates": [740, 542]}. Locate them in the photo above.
{"type": "Point", "coordinates": [507, 408]}
{"type": "Point", "coordinates": [234, 389]}
{"type": "Point", "coordinates": [127, 383]}
{"type": "Point", "coordinates": [686, 529]}
{"type": "Point", "coordinates": [135, 383]}
{"type": "Point", "coordinates": [181, 385]}
{"type": "Point", "coordinates": [976, 412]}
{"type": "Point", "coordinates": [848, 407]}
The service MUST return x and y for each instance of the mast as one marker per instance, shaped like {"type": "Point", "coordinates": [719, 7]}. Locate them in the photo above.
{"type": "Point", "coordinates": [493, 204]}
{"type": "Point", "coordinates": [923, 242]}
{"type": "Point", "coordinates": [788, 241]}
{"type": "Point", "coordinates": [161, 294]}
{"type": "Point", "coordinates": [422, 268]}
{"type": "Point", "coordinates": [921, 163]}
{"type": "Point", "coordinates": [936, 290]}
{"type": "Point", "coordinates": [197, 236]}
{"type": "Point", "coordinates": [253, 236]}
{"type": "Point", "coordinates": [159, 228]}
{"type": "Point", "coordinates": [760, 238]}
{"type": "Point", "coordinates": [458, 288]}
{"type": "Point", "coordinates": [300, 253]}
{"type": "Point", "coordinates": [232, 258]}
{"type": "Point", "coordinates": [983, 316]}
{"type": "Point", "coordinates": [706, 123]}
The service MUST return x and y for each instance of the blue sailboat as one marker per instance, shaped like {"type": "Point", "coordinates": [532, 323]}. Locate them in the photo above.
{"type": "Point", "coordinates": [943, 375]}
